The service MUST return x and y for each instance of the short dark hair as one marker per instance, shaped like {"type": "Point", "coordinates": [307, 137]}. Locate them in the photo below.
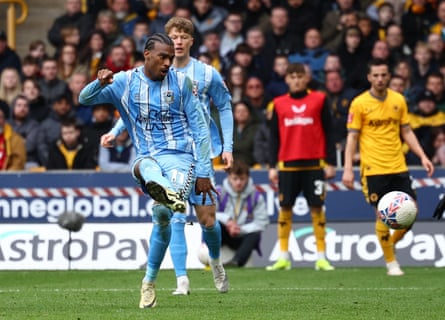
{"type": "Point", "coordinates": [376, 62]}
{"type": "Point", "coordinates": [296, 68]}
{"type": "Point", "coordinates": [239, 168]}
{"type": "Point", "coordinates": [157, 37]}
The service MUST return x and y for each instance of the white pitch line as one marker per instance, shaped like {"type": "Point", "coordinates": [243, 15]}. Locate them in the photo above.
{"type": "Point", "coordinates": [213, 289]}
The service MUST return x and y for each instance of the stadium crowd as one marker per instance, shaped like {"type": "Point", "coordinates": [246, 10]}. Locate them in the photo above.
{"type": "Point", "coordinates": [249, 42]}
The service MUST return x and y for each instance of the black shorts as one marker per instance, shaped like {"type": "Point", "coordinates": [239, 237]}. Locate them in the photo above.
{"type": "Point", "coordinates": [377, 186]}
{"type": "Point", "coordinates": [310, 182]}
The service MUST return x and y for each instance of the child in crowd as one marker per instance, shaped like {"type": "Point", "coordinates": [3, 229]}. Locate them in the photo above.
{"type": "Point", "coordinates": [241, 211]}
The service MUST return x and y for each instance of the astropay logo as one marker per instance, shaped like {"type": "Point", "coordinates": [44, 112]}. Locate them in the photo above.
{"type": "Point", "coordinates": [341, 247]}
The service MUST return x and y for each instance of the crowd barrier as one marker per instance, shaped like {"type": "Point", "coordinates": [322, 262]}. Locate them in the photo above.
{"type": "Point", "coordinates": [117, 225]}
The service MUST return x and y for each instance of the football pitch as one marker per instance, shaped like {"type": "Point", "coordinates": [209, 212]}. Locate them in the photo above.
{"type": "Point", "coordinates": [301, 293]}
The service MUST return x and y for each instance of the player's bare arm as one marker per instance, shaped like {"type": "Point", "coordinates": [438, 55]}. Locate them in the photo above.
{"type": "Point", "coordinates": [350, 149]}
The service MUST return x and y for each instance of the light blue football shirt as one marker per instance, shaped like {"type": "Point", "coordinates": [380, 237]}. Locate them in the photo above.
{"type": "Point", "coordinates": [160, 116]}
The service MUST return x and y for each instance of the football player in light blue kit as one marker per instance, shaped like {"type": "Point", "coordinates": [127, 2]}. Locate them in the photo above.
{"type": "Point", "coordinates": [208, 84]}
{"type": "Point", "coordinates": [172, 142]}
{"type": "Point", "coordinates": [210, 88]}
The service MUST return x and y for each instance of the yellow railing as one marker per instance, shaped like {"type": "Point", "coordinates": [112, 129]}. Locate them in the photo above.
{"type": "Point", "coordinates": [12, 21]}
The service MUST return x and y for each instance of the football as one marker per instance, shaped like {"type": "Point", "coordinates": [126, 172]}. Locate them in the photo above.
{"type": "Point", "coordinates": [397, 210]}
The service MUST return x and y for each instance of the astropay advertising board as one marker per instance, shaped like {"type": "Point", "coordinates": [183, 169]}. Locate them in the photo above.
{"type": "Point", "coordinates": [118, 224]}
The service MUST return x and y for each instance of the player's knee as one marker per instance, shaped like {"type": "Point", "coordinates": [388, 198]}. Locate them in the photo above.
{"type": "Point", "coordinates": [161, 215]}
{"type": "Point", "coordinates": [178, 218]}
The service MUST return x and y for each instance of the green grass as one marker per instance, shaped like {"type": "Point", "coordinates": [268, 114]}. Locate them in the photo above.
{"type": "Point", "coordinates": [302, 293]}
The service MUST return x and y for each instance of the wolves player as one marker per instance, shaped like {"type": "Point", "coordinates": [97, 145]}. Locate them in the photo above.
{"type": "Point", "coordinates": [166, 124]}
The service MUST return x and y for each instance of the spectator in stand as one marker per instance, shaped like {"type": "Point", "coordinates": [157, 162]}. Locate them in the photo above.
{"type": "Point", "coordinates": [38, 108]}
{"type": "Point", "coordinates": [70, 35]}
{"type": "Point", "coordinates": [435, 84]}
{"type": "Point", "coordinates": [73, 16]}
{"type": "Point", "coordinates": [398, 50]}
{"type": "Point", "coordinates": [256, 14]}
{"type": "Point", "coordinates": [235, 79]}
{"type": "Point", "coordinates": [8, 57]}
{"type": "Point", "coordinates": [332, 63]}
{"type": "Point", "coordinates": [76, 83]}
{"type": "Point", "coordinates": [50, 84]}
{"type": "Point", "coordinates": [262, 54]}
{"type": "Point", "coordinates": [129, 45]}
{"type": "Point", "coordinates": [385, 18]}
{"type": "Point", "coordinates": [336, 22]}
{"type": "Point", "coordinates": [102, 122]}
{"type": "Point", "coordinates": [124, 14]}
{"type": "Point", "coordinates": [68, 63]}
{"type": "Point", "coordinates": [398, 7]}
{"type": "Point", "coordinates": [422, 64]}
{"type": "Point", "coordinates": [369, 34]}
{"type": "Point", "coordinates": [422, 121]}
{"type": "Point", "coordinates": [208, 17]}
{"type": "Point", "coordinates": [91, 54]}
{"type": "Point", "coordinates": [30, 67]}
{"type": "Point", "coordinates": [243, 56]}
{"type": "Point", "coordinates": [69, 151]}
{"type": "Point", "coordinates": [313, 54]}
{"type": "Point", "coordinates": [261, 141]}
{"type": "Point", "coordinates": [119, 157]}
{"type": "Point", "coordinates": [439, 26]}
{"type": "Point", "coordinates": [380, 50]}
{"type": "Point", "coordinates": [338, 98]}
{"type": "Point", "coordinates": [22, 123]}
{"type": "Point", "coordinates": [166, 10]}
{"type": "Point", "coordinates": [205, 58]}
{"type": "Point", "coordinates": [211, 44]}
{"type": "Point", "coordinates": [279, 39]}
{"type": "Point", "coordinates": [353, 58]}
{"type": "Point", "coordinates": [277, 86]}
{"type": "Point", "coordinates": [10, 84]}
{"type": "Point", "coordinates": [116, 60]}
{"type": "Point", "coordinates": [109, 25]}
{"type": "Point", "coordinates": [416, 21]}
{"type": "Point", "coordinates": [256, 98]}
{"type": "Point", "coordinates": [397, 83]}
{"type": "Point", "coordinates": [437, 46]}
{"type": "Point", "coordinates": [140, 34]}
{"type": "Point", "coordinates": [49, 130]}
{"type": "Point", "coordinates": [232, 35]}
{"type": "Point", "coordinates": [12, 145]}
{"type": "Point", "coordinates": [303, 16]}
{"type": "Point", "coordinates": [244, 130]}
{"type": "Point", "coordinates": [404, 69]}
{"type": "Point", "coordinates": [37, 50]}
{"type": "Point", "coordinates": [242, 213]}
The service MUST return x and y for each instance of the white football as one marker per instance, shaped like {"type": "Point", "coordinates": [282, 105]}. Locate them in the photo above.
{"type": "Point", "coordinates": [397, 210]}
{"type": "Point", "coordinates": [203, 254]}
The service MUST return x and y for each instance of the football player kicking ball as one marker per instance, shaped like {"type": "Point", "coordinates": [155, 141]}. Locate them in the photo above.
{"type": "Point", "coordinates": [376, 121]}
{"type": "Point", "coordinates": [173, 156]}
